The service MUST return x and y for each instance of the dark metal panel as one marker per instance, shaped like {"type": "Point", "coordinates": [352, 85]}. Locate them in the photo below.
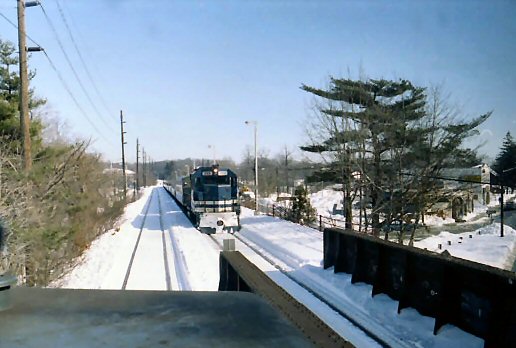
{"type": "Point", "coordinates": [423, 287]}
{"type": "Point", "coordinates": [476, 298]}
{"type": "Point", "coordinates": [346, 254]}
{"type": "Point", "coordinates": [366, 262]}
{"type": "Point", "coordinates": [330, 240]}
{"type": "Point", "coordinates": [392, 267]}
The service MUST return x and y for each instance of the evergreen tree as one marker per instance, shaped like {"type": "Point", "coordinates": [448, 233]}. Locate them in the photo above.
{"type": "Point", "coordinates": [302, 211]}
{"type": "Point", "coordinates": [506, 160]}
{"type": "Point", "coordinates": [384, 130]}
{"type": "Point", "coordinates": [9, 99]}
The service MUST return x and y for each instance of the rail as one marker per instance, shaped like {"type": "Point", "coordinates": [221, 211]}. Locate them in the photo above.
{"type": "Point", "coordinates": [320, 223]}
{"type": "Point", "coordinates": [239, 274]}
{"type": "Point", "coordinates": [240, 286]}
{"type": "Point", "coordinates": [130, 266]}
{"type": "Point", "coordinates": [171, 257]}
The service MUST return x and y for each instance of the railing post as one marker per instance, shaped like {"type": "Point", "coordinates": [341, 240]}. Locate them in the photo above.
{"type": "Point", "coordinates": [320, 223]}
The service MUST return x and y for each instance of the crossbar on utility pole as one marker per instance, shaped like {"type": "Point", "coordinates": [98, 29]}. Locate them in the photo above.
{"type": "Point", "coordinates": [123, 152]}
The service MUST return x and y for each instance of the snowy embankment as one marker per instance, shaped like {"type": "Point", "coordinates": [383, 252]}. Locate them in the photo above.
{"type": "Point", "coordinates": [483, 245]}
{"type": "Point", "coordinates": [104, 264]}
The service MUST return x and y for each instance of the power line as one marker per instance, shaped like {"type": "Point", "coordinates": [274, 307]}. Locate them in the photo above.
{"type": "Point", "coordinates": [61, 46]}
{"type": "Point", "coordinates": [8, 20]}
{"type": "Point", "coordinates": [16, 27]}
{"type": "Point", "coordinates": [63, 82]}
{"type": "Point", "coordinates": [80, 56]}
{"type": "Point", "coordinates": [91, 61]}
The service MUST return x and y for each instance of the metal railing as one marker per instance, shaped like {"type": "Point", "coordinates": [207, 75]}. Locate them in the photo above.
{"type": "Point", "coordinates": [280, 211]}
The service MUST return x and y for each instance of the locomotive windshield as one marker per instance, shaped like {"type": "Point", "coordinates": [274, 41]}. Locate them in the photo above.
{"type": "Point", "coordinates": [217, 180]}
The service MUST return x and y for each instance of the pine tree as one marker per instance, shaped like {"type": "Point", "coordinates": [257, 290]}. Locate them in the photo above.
{"type": "Point", "coordinates": [302, 211]}
{"type": "Point", "coordinates": [506, 160]}
{"type": "Point", "coordinates": [9, 99]}
{"type": "Point", "coordinates": [384, 130]}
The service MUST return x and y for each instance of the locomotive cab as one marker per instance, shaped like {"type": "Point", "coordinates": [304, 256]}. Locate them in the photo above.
{"type": "Point", "coordinates": [214, 199]}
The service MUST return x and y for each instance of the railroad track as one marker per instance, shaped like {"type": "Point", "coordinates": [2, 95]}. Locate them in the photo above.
{"type": "Point", "coordinates": [148, 270]}
{"type": "Point", "coordinates": [164, 242]}
{"type": "Point", "coordinates": [382, 342]}
{"type": "Point", "coordinates": [179, 262]}
{"type": "Point", "coordinates": [360, 322]}
{"type": "Point", "coordinates": [130, 266]}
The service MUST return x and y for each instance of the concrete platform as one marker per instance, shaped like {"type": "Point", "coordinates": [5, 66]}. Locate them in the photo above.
{"type": "Point", "coordinates": [116, 318]}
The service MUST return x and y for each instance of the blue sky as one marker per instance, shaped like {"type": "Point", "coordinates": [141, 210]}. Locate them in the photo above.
{"type": "Point", "coordinates": [187, 74]}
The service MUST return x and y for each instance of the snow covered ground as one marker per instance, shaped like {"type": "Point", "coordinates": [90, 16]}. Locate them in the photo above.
{"type": "Point", "coordinates": [486, 246]}
{"type": "Point", "coordinates": [483, 245]}
{"type": "Point", "coordinates": [324, 200]}
{"type": "Point", "coordinates": [104, 264]}
{"type": "Point", "coordinates": [298, 250]}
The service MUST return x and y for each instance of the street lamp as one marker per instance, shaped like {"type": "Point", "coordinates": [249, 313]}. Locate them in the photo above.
{"type": "Point", "coordinates": [255, 124]}
{"type": "Point", "coordinates": [214, 154]}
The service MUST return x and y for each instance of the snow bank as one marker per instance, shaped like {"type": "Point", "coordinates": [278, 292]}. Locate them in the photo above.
{"type": "Point", "coordinates": [103, 265]}
{"type": "Point", "coordinates": [324, 200]}
{"type": "Point", "coordinates": [485, 245]}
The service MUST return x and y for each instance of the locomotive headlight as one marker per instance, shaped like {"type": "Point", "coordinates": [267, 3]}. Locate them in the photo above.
{"type": "Point", "coordinates": [215, 171]}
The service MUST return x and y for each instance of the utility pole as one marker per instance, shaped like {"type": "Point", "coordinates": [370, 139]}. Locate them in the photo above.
{"type": "Point", "coordinates": [143, 174]}
{"type": "Point", "coordinates": [123, 152]}
{"type": "Point", "coordinates": [501, 211]}
{"type": "Point", "coordinates": [24, 83]}
{"type": "Point", "coordinates": [255, 124]}
{"type": "Point", "coordinates": [137, 159]}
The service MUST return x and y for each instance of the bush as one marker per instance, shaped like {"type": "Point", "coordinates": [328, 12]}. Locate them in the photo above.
{"type": "Point", "coordinates": [302, 211]}
{"type": "Point", "coordinates": [55, 212]}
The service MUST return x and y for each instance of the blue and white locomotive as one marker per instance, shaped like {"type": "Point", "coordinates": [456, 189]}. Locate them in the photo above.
{"type": "Point", "coordinates": [210, 197]}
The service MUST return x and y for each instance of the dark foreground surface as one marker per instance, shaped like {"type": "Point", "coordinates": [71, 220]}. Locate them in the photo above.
{"type": "Point", "coordinates": [116, 318]}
